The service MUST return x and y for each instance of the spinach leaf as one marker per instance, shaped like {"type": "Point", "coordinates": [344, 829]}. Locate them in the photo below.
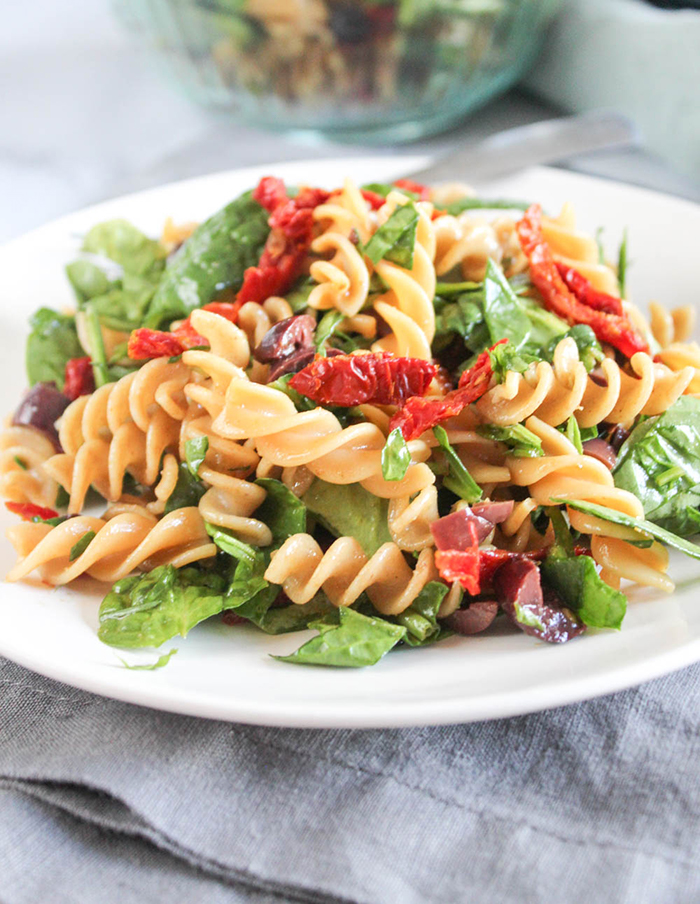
{"type": "Point", "coordinates": [88, 280]}
{"type": "Point", "coordinates": [660, 464]}
{"type": "Point", "coordinates": [79, 548]}
{"type": "Point", "coordinates": [327, 326]}
{"type": "Point", "coordinates": [458, 478]}
{"type": "Point", "coordinates": [349, 510]}
{"type": "Point", "coordinates": [357, 641]}
{"type": "Point", "coordinates": [148, 609]}
{"type": "Point", "coordinates": [188, 490]}
{"type": "Point", "coordinates": [578, 583]}
{"type": "Point", "coordinates": [211, 261]}
{"type": "Point", "coordinates": [507, 357]}
{"type": "Point", "coordinates": [248, 577]}
{"type": "Point", "coordinates": [572, 432]}
{"type": "Point", "coordinates": [420, 619]}
{"type": "Point", "coordinates": [383, 189]}
{"type": "Point", "coordinates": [52, 342]}
{"type": "Point", "coordinates": [622, 266]}
{"type": "Point", "coordinates": [285, 619]}
{"type": "Point", "coordinates": [195, 453]}
{"type": "Point", "coordinates": [446, 289]}
{"type": "Point", "coordinates": [158, 664]}
{"type": "Point", "coordinates": [645, 528]}
{"type": "Point", "coordinates": [395, 456]}
{"type": "Point", "coordinates": [394, 240]}
{"type": "Point", "coordinates": [544, 325]}
{"type": "Point", "coordinates": [98, 355]}
{"type": "Point", "coordinates": [523, 443]}
{"type": "Point", "coordinates": [298, 297]}
{"type": "Point", "coordinates": [457, 207]}
{"type": "Point", "coordinates": [589, 350]}
{"type": "Point", "coordinates": [503, 313]}
{"type": "Point", "coordinates": [463, 317]}
{"type": "Point", "coordinates": [127, 246]}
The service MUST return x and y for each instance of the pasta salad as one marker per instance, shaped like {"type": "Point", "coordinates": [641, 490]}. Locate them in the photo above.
{"type": "Point", "coordinates": [388, 413]}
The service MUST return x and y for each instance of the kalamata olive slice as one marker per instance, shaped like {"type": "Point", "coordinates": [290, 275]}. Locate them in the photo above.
{"type": "Point", "coordinates": [455, 531]}
{"type": "Point", "coordinates": [599, 449]}
{"type": "Point", "coordinates": [519, 589]}
{"type": "Point", "coordinates": [41, 407]}
{"type": "Point", "coordinates": [285, 338]}
{"type": "Point", "coordinates": [495, 512]}
{"type": "Point", "coordinates": [618, 436]}
{"type": "Point", "coordinates": [473, 620]}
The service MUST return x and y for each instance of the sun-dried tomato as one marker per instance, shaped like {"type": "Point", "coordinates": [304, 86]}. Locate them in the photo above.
{"type": "Point", "coordinates": [615, 329]}
{"type": "Point", "coordinates": [460, 565]}
{"type": "Point", "coordinates": [28, 511]}
{"type": "Point", "coordinates": [374, 200]}
{"type": "Point", "coordinates": [79, 378]}
{"type": "Point", "coordinates": [145, 343]}
{"type": "Point", "coordinates": [587, 294]}
{"type": "Point", "coordinates": [270, 192]}
{"type": "Point", "coordinates": [420, 414]}
{"type": "Point", "coordinates": [376, 379]}
{"type": "Point", "coordinates": [417, 188]}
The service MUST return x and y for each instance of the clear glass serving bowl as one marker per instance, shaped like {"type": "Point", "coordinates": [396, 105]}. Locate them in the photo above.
{"type": "Point", "coordinates": [370, 70]}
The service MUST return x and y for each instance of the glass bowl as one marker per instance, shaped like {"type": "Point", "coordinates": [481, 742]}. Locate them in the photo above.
{"type": "Point", "coordinates": [370, 70]}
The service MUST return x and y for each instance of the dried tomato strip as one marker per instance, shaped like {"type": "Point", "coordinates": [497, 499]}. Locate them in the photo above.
{"type": "Point", "coordinates": [420, 414]}
{"type": "Point", "coordinates": [614, 329]}
{"type": "Point", "coordinates": [417, 188]}
{"type": "Point", "coordinates": [460, 565]}
{"type": "Point", "coordinates": [587, 294]}
{"type": "Point", "coordinates": [79, 378]}
{"type": "Point", "coordinates": [376, 379]}
{"type": "Point", "coordinates": [28, 511]}
{"type": "Point", "coordinates": [145, 343]}
{"type": "Point", "coordinates": [374, 200]}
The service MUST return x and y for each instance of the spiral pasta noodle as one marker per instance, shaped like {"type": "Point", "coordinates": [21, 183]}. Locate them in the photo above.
{"type": "Point", "coordinates": [23, 478]}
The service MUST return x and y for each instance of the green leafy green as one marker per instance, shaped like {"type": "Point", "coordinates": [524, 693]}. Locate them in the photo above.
{"type": "Point", "coordinates": [127, 246]}
{"type": "Point", "coordinates": [458, 478]}
{"type": "Point", "coordinates": [463, 317]}
{"type": "Point", "coordinates": [98, 355]}
{"type": "Point", "coordinates": [642, 526]}
{"type": "Point", "coordinates": [578, 583]}
{"type": "Point", "coordinates": [285, 619]}
{"type": "Point", "coordinates": [211, 261]}
{"type": "Point", "coordinates": [544, 326]}
{"type": "Point", "coordinates": [151, 667]}
{"type": "Point", "coordinates": [188, 490]}
{"type": "Point", "coordinates": [507, 357]}
{"type": "Point", "coordinates": [327, 326]}
{"type": "Point", "coordinates": [503, 313]}
{"type": "Point", "coordinates": [383, 189]}
{"type": "Point", "coordinates": [622, 266]}
{"type": "Point", "coordinates": [420, 619]}
{"type": "Point", "coordinates": [446, 289]}
{"type": "Point", "coordinates": [660, 464]}
{"type": "Point", "coordinates": [79, 548]}
{"type": "Point", "coordinates": [148, 609]}
{"type": "Point", "coordinates": [298, 297]}
{"type": "Point", "coordinates": [195, 453]}
{"type": "Point", "coordinates": [52, 342]}
{"type": "Point", "coordinates": [599, 242]}
{"type": "Point", "coordinates": [357, 641]}
{"type": "Point", "coordinates": [572, 432]}
{"type": "Point", "coordinates": [523, 443]}
{"type": "Point", "coordinates": [349, 510]}
{"type": "Point", "coordinates": [457, 207]}
{"type": "Point", "coordinates": [88, 280]}
{"type": "Point", "coordinates": [394, 240]}
{"type": "Point", "coordinates": [396, 456]}
{"type": "Point", "coordinates": [301, 402]}
{"type": "Point", "coordinates": [589, 350]}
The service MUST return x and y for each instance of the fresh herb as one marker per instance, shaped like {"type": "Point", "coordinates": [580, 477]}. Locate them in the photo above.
{"type": "Point", "coordinates": [420, 619]}
{"type": "Point", "coordinates": [589, 349]}
{"type": "Point", "coordinates": [395, 239]}
{"type": "Point", "coordinates": [572, 432]}
{"type": "Point", "coordinates": [356, 641]}
{"type": "Point", "coordinates": [18, 461]}
{"type": "Point", "coordinates": [151, 667]}
{"type": "Point", "coordinates": [148, 609]}
{"type": "Point", "coordinates": [212, 261]}
{"type": "Point", "coordinates": [642, 526]}
{"type": "Point", "coordinates": [458, 479]}
{"type": "Point", "coordinates": [396, 456]}
{"type": "Point", "coordinates": [79, 548]}
{"type": "Point", "coordinates": [659, 463]}
{"type": "Point", "coordinates": [349, 510]}
{"type": "Point", "coordinates": [195, 453]}
{"type": "Point", "coordinates": [188, 490]}
{"type": "Point", "coordinates": [327, 326]}
{"type": "Point", "coordinates": [523, 443]}
{"type": "Point", "coordinates": [503, 313]}
{"type": "Point", "coordinates": [52, 342]}
{"type": "Point", "coordinates": [622, 266]}
{"type": "Point", "coordinates": [97, 347]}
{"type": "Point", "coordinates": [506, 358]}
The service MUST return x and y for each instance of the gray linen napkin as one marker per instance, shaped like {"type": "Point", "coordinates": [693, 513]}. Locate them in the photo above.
{"type": "Point", "coordinates": [103, 801]}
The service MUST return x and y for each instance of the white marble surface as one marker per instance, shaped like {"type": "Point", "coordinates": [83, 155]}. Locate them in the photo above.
{"type": "Point", "coordinates": [85, 115]}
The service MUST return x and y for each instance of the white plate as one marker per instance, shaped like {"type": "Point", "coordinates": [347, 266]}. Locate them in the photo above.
{"type": "Point", "coordinates": [225, 673]}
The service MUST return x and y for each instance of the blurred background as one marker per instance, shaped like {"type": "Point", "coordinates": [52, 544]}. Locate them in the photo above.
{"type": "Point", "coordinates": [102, 98]}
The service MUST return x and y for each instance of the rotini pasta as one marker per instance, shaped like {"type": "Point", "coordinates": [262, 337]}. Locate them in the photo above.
{"type": "Point", "coordinates": [419, 447]}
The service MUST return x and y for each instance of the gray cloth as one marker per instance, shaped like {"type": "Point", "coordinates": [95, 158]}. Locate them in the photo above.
{"type": "Point", "coordinates": [102, 801]}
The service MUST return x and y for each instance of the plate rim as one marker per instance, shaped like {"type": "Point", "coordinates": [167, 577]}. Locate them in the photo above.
{"type": "Point", "coordinates": [449, 710]}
